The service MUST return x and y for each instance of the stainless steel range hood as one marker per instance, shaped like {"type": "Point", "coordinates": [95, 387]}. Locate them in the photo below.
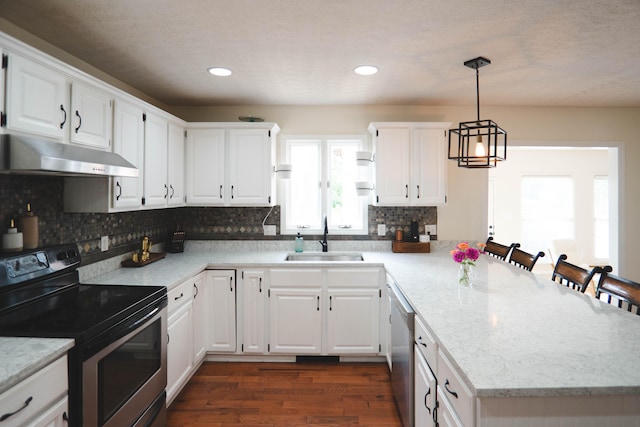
{"type": "Point", "coordinates": [29, 155]}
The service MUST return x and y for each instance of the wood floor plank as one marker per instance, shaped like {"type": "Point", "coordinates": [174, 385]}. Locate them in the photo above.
{"type": "Point", "coordinates": [286, 394]}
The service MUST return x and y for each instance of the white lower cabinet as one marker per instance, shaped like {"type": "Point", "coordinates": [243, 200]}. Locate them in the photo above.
{"type": "Point", "coordinates": [180, 340]}
{"type": "Point", "coordinates": [254, 291]}
{"type": "Point", "coordinates": [425, 392]}
{"type": "Point", "coordinates": [199, 318]}
{"type": "Point", "coordinates": [39, 400]}
{"type": "Point", "coordinates": [446, 413]}
{"type": "Point", "coordinates": [221, 306]}
{"type": "Point", "coordinates": [325, 311]}
{"type": "Point", "coordinates": [295, 311]}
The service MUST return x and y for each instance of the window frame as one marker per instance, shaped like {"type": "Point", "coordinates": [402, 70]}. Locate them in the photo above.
{"type": "Point", "coordinates": [323, 141]}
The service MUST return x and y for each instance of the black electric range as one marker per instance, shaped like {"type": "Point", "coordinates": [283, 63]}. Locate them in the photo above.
{"type": "Point", "coordinates": [41, 296]}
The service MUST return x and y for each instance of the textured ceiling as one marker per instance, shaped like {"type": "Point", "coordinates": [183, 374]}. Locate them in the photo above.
{"type": "Point", "coordinates": [302, 52]}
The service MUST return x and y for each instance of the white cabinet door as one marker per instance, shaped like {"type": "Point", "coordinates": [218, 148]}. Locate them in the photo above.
{"type": "Point", "coordinates": [55, 416]}
{"type": "Point", "coordinates": [221, 308]}
{"type": "Point", "coordinates": [205, 171]}
{"type": "Point", "coordinates": [446, 413]}
{"type": "Point", "coordinates": [155, 162]}
{"type": "Point", "coordinates": [250, 167]}
{"type": "Point", "coordinates": [37, 99]}
{"type": "Point", "coordinates": [295, 320]}
{"type": "Point", "coordinates": [410, 161]}
{"type": "Point", "coordinates": [199, 318]}
{"type": "Point", "coordinates": [425, 391]}
{"type": "Point", "coordinates": [429, 167]}
{"type": "Point", "coordinates": [179, 358]}
{"type": "Point", "coordinates": [129, 143]}
{"type": "Point", "coordinates": [254, 291]}
{"type": "Point", "coordinates": [353, 321]}
{"type": "Point", "coordinates": [392, 166]}
{"type": "Point", "coordinates": [175, 165]}
{"type": "Point", "coordinates": [91, 117]}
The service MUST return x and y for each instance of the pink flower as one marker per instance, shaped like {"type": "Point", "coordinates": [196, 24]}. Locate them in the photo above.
{"type": "Point", "coordinates": [472, 253]}
{"type": "Point", "coordinates": [458, 256]}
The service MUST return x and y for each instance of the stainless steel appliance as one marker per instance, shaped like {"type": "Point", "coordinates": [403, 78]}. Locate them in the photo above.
{"type": "Point", "coordinates": [402, 329]}
{"type": "Point", "coordinates": [118, 366]}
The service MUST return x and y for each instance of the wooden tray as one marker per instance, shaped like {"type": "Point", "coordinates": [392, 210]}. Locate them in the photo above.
{"type": "Point", "coordinates": [411, 247]}
{"type": "Point", "coordinates": [153, 257]}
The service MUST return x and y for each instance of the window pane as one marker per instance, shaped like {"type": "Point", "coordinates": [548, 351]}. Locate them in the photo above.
{"type": "Point", "coordinates": [601, 216]}
{"type": "Point", "coordinates": [303, 206]}
{"type": "Point", "coordinates": [345, 207]}
{"type": "Point", "coordinates": [547, 210]}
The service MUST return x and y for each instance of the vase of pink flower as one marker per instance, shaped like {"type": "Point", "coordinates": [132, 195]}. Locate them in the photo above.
{"type": "Point", "coordinates": [466, 256]}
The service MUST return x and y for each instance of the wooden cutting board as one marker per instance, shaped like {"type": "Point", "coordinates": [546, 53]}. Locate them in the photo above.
{"type": "Point", "coordinates": [411, 247]}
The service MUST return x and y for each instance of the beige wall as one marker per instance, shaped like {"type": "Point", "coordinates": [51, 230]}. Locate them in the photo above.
{"type": "Point", "coordinates": [464, 216]}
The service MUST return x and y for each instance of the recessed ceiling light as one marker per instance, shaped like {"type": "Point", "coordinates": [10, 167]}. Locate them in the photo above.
{"type": "Point", "coordinates": [365, 70]}
{"type": "Point", "coordinates": [220, 72]}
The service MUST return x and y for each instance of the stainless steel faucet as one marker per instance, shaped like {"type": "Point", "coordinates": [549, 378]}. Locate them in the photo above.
{"type": "Point", "coordinates": [323, 242]}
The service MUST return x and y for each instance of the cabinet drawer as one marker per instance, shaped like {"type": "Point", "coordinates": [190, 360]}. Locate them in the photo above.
{"type": "Point", "coordinates": [455, 390]}
{"type": "Point", "coordinates": [40, 390]}
{"type": "Point", "coordinates": [180, 295]}
{"type": "Point", "coordinates": [360, 277]}
{"type": "Point", "coordinates": [296, 277]}
{"type": "Point", "coordinates": [426, 343]}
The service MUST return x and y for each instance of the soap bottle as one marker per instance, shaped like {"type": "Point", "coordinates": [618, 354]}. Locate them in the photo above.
{"type": "Point", "coordinates": [29, 227]}
{"type": "Point", "coordinates": [299, 242]}
{"type": "Point", "coordinates": [12, 240]}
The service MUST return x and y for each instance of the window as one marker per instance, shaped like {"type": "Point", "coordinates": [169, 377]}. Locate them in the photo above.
{"type": "Point", "coordinates": [547, 210]}
{"type": "Point", "coordinates": [324, 173]}
{"type": "Point", "coordinates": [601, 217]}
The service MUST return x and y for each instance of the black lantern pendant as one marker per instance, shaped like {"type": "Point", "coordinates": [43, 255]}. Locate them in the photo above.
{"type": "Point", "coordinates": [481, 143]}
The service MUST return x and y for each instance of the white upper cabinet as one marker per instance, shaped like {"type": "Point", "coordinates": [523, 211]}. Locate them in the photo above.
{"type": "Point", "coordinates": [156, 189]}
{"type": "Point", "coordinates": [37, 99]}
{"type": "Point", "coordinates": [129, 143]}
{"type": "Point", "coordinates": [410, 162]}
{"type": "Point", "coordinates": [229, 164]}
{"type": "Point", "coordinates": [92, 116]}
{"type": "Point", "coordinates": [175, 165]}
{"type": "Point", "coordinates": [205, 166]}
{"type": "Point", "coordinates": [43, 101]}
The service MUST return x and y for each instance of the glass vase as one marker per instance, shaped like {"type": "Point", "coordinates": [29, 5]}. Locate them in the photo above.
{"type": "Point", "coordinates": [465, 274]}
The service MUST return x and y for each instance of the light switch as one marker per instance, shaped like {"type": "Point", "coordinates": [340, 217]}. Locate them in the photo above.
{"type": "Point", "coordinates": [430, 229]}
{"type": "Point", "coordinates": [269, 230]}
{"type": "Point", "coordinates": [382, 229]}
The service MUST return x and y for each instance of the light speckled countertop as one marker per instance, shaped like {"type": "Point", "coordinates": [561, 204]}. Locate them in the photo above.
{"type": "Point", "coordinates": [511, 334]}
{"type": "Point", "coordinates": [21, 357]}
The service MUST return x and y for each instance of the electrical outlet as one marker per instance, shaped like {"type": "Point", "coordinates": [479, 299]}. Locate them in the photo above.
{"type": "Point", "coordinates": [104, 243]}
{"type": "Point", "coordinates": [269, 230]}
{"type": "Point", "coordinates": [382, 229]}
{"type": "Point", "coordinates": [430, 229]}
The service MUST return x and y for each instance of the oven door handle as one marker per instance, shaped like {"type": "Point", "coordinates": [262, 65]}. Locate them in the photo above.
{"type": "Point", "coordinates": [119, 331]}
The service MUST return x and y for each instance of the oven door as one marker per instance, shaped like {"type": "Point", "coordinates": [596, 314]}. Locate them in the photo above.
{"type": "Point", "coordinates": [125, 381]}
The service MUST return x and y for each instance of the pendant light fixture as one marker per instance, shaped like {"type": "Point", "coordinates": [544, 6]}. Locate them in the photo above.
{"type": "Point", "coordinates": [481, 143]}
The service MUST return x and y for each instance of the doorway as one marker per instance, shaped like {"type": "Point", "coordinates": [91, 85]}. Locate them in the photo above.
{"type": "Point", "coordinates": [541, 194]}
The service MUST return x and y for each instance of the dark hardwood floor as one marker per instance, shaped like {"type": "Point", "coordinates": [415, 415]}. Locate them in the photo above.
{"type": "Point", "coordinates": [286, 394]}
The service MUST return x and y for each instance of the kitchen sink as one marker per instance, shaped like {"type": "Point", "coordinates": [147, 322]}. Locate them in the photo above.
{"type": "Point", "coordinates": [324, 256]}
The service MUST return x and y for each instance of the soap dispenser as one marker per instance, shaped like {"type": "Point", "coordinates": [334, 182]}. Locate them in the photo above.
{"type": "Point", "coordinates": [12, 240]}
{"type": "Point", "coordinates": [299, 242]}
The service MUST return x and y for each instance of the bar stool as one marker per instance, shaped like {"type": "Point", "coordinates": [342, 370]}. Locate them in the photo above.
{"type": "Point", "coordinates": [573, 276]}
{"type": "Point", "coordinates": [498, 250]}
{"type": "Point", "coordinates": [523, 259]}
{"type": "Point", "coordinates": [621, 289]}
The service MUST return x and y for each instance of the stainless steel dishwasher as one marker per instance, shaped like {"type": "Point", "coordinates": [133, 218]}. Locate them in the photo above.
{"type": "Point", "coordinates": [402, 327]}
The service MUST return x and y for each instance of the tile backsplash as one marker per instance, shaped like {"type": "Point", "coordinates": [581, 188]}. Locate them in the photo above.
{"type": "Point", "coordinates": [126, 229]}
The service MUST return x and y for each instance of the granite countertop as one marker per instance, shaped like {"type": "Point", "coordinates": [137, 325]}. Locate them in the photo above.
{"type": "Point", "coordinates": [512, 333]}
{"type": "Point", "coordinates": [22, 357]}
